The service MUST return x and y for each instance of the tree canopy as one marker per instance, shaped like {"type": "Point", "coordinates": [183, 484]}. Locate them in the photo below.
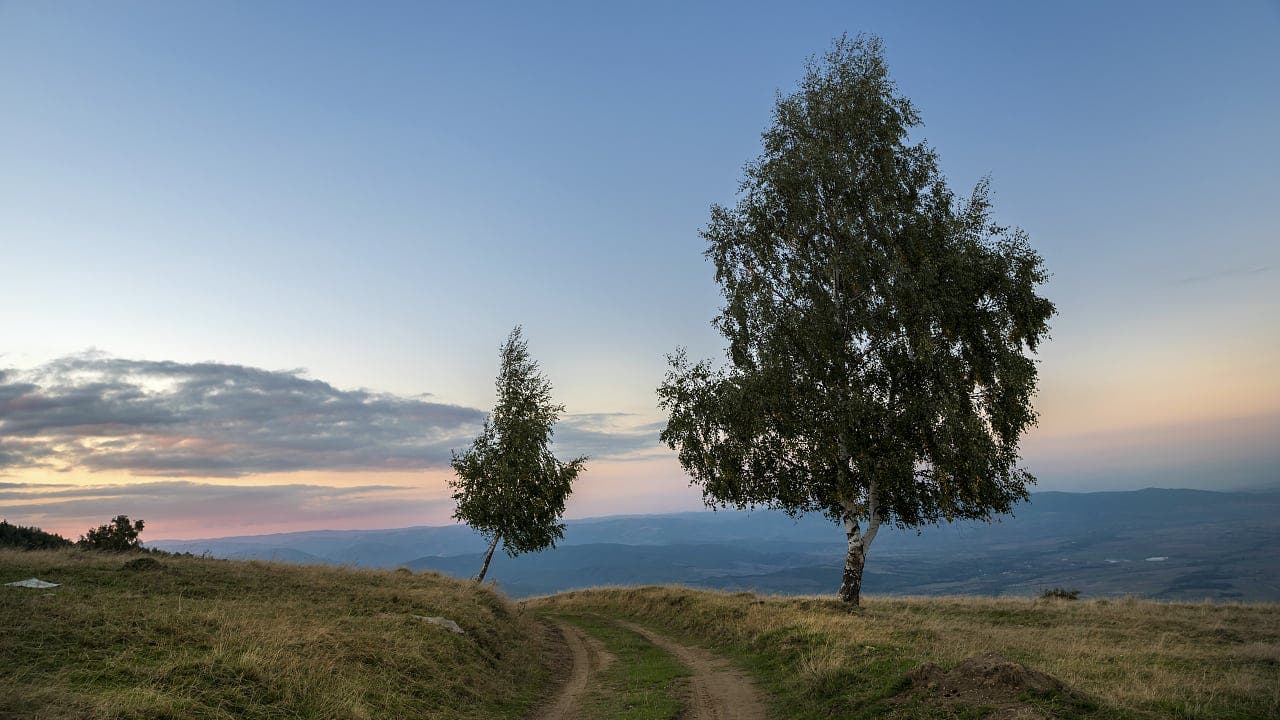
{"type": "Point", "coordinates": [29, 538]}
{"type": "Point", "coordinates": [116, 536]}
{"type": "Point", "coordinates": [509, 484]}
{"type": "Point", "coordinates": [879, 328]}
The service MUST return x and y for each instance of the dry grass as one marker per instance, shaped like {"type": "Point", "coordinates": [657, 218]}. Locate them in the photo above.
{"type": "Point", "coordinates": [220, 639]}
{"type": "Point", "coordinates": [1134, 658]}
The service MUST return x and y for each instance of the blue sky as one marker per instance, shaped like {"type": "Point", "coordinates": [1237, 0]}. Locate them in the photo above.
{"type": "Point", "coordinates": [377, 193]}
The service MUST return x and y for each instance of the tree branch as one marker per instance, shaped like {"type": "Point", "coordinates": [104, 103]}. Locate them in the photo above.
{"type": "Point", "coordinates": [873, 512]}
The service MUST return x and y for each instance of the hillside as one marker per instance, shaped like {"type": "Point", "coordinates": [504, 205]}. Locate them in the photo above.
{"type": "Point", "coordinates": [133, 636]}
{"type": "Point", "coordinates": [1156, 543]}
{"type": "Point", "coordinates": [140, 636]}
{"type": "Point", "coordinates": [1117, 659]}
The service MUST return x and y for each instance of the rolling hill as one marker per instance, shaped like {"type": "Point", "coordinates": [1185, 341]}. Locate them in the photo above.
{"type": "Point", "coordinates": [140, 636]}
{"type": "Point", "coordinates": [1156, 543]}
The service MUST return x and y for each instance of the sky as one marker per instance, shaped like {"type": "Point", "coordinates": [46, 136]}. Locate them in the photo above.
{"type": "Point", "coordinates": [258, 258]}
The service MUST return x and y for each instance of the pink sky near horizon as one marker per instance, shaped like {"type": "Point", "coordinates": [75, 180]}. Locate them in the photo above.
{"type": "Point", "coordinates": [1179, 455]}
{"type": "Point", "coordinates": [185, 510]}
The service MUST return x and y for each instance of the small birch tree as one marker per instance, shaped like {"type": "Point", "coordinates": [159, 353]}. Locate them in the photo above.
{"type": "Point", "coordinates": [879, 329]}
{"type": "Point", "coordinates": [509, 485]}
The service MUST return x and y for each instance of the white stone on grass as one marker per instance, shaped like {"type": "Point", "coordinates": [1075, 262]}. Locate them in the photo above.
{"type": "Point", "coordinates": [442, 622]}
{"type": "Point", "coordinates": [32, 583]}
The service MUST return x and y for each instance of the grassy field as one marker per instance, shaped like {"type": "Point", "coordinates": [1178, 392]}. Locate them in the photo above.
{"type": "Point", "coordinates": [139, 636]}
{"type": "Point", "coordinates": [1127, 658]}
{"type": "Point", "coordinates": [197, 638]}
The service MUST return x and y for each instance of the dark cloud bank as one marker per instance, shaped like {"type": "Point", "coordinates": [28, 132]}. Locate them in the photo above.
{"type": "Point", "coordinates": [90, 412]}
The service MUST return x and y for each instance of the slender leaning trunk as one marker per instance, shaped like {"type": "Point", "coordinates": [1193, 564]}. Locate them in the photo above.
{"type": "Point", "coordinates": [487, 557]}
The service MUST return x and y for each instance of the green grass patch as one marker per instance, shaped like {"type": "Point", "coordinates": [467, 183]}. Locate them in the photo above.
{"type": "Point", "coordinates": [644, 682]}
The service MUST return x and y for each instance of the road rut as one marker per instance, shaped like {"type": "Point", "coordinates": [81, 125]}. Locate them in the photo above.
{"type": "Point", "coordinates": [720, 692]}
{"type": "Point", "coordinates": [588, 658]}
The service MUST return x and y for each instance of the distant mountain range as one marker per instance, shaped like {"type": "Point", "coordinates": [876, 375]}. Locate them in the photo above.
{"type": "Point", "coordinates": [1155, 543]}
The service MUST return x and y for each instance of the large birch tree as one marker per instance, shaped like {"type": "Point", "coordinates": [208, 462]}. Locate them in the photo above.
{"type": "Point", "coordinates": [880, 330]}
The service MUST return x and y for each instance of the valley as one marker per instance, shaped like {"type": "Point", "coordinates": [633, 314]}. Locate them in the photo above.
{"type": "Point", "coordinates": [1216, 545]}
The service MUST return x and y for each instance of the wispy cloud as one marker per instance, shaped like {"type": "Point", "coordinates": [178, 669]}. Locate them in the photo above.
{"type": "Point", "coordinates": [180, 507]}
{"type": "Point", "coordinates": [41, 496]}
{"type": "Point", "coordinates": [169, 419]}
{"type": "Point", "coordinates": [1213, 454]}
{"type": "Point", "coordinates": [612, 435]}
{"type": "Point", "coordinates": [1222, 275]}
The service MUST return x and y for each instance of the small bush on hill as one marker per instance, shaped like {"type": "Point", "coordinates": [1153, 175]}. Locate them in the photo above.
{"type": "Point", "coordinates": [1060, 594]}
{"type": "Point", "coordinates": [29, 538]}
{"type": "Point", "coordinates": [145, 562]}
{"type": "Point", "coordinates": [116, 536]}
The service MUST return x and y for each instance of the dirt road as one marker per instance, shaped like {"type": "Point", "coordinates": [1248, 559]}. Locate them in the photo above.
{"type": "Point", "coordinates": [717, 690]}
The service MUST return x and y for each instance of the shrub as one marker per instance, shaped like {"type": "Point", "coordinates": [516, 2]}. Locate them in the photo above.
{"type": "Point", "coordinates": [1060, 594]}
{"type": "Point", "coordinates": [146, 562]}
{"type": "Point", "coordinates": [116, 536]}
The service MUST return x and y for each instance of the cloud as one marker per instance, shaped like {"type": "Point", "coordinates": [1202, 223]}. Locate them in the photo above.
{"type": "Point", "coordinates": [211, 419]}
{"type": "Point", "coordinates": [1222, 275]}
{"type": "Point", "coordinates": [182, 507]}
{"type": "Point", "coordinates": [621, 436]}
{"type": "Point", "coordinates": [1211, 454]}
{"type": "Point", "coordinates": [41, 496]}
{"type": "Point", "coordinates": [6, 486]}
{"type": "Point", "coordinates": [169, 419]}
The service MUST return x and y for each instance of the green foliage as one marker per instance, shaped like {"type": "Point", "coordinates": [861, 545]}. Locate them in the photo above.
{"type": "Point", "coordinates": [29, 538]}
{"type": "Point", "coordinates": [1060, 594]}
{"type": "Point", "coordinates": [118, 535]}
{"type": "Point", "coordinates": [509, 485]}
{"type": "Point", "coordinates": [879, 329]}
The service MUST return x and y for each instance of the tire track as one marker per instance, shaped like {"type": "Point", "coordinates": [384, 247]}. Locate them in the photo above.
{"type": "Point", "coordinates": [587, 658]}
{"type": "Point", "coordinates": [719, 691]}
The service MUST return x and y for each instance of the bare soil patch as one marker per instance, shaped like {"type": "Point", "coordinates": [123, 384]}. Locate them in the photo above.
{"type": "Point", "coordinates": [994, 681]}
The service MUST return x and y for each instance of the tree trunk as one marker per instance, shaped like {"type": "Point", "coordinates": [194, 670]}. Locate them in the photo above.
{"type": "Point", "coordinates": [854, 559]}
{"type": "Point", "coordinates": [856, 556]}
{"type": "Point", "coordinates": [487, 557]}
